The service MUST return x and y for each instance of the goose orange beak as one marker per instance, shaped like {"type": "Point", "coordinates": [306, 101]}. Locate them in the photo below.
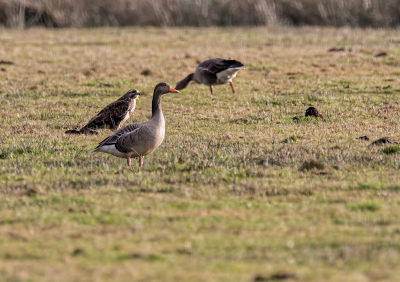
{"type": "Point", "coordinates": [172, 90]}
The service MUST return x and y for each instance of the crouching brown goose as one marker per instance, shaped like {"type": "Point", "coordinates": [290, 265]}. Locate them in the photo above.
{"type": "Point", "coordinates": [139, 139]}
{"type": "Point", "coordinates": [213, 72]}
{"type": "Point", "coordinates": [112, 116]}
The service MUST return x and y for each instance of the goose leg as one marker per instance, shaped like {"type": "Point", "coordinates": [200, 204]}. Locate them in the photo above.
{"type": "Point", "coordinates": [128, 161]}
{"type": "Point", "coordinates": [233, 87]}
{"type": "Point", "coordinates": [212, 90]}
{"type": "Point", "coordinates": [140, 161]}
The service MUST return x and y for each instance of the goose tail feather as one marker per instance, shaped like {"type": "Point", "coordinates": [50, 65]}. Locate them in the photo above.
{"type": "Point", "coordinates": [95, 150]}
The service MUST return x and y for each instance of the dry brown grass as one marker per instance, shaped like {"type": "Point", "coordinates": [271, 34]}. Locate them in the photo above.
{"type": "Point", "coordinates": [88, 13]}
{"type": "Point", "coordinates": [225, 198]}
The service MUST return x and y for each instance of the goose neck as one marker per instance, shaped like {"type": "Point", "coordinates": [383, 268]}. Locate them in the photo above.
{"type": "Point", "coordinates": [156, 104]}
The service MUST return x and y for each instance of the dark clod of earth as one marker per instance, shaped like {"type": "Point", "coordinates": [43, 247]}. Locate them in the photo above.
{"type": "Point", "coordinates": [310, 112]}
{"type": "Point", "coordinates": [384, 140]}
{"type": "Point", "coordinates": [146, 72]}
{"type": "Point", "coordinates": [6, 63]}
{"type": "Point", "coordinates": [313, 112]}
{"type": "Point", "coordinates": [77, 252]}
{"type": "Point", "coordinates": [106, 85]}
{"type": "Point", "coordinates": [363, 138]}
{"type": "Point", "coordinates": [340, 49]}
{"type": "Point", "coordinates": [275, 277]}
{"type": "Point", "coordinates": [380, 54]}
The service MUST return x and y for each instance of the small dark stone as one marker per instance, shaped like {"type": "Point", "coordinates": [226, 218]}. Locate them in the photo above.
{"type": "Point", "coordinates": [384, 140]}
{"type": "Point", "coordinates": [363, 138]}
{"type": "Point", "coordinates": [313, 112]}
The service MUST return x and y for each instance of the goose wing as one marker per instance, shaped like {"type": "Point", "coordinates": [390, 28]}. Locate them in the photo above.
{"type": "Point", "coordinates": [205, 76]}
{"type": "Point", "coordinates": [111, 114]}
{"type": "Point", "coordinates": [113, 139]}
{"type": "Point", "coordinates": [217, 65]}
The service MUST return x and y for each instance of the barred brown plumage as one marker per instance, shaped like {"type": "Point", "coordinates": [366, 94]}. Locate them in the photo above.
{"type": "Point", "coordinates": [111, 116]}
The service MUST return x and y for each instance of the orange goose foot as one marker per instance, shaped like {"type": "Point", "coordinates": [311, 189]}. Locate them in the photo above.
{"type": "Point", "coordinates": [128, 161]}
{"type": "Point", "coordinates": [140, 161]}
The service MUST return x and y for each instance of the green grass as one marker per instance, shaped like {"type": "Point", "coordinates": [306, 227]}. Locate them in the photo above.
{"type": "Point", "coordinates": [365, 206]}
{"type": "Point", "coordinates": [392, 149]}
{"type": "Point", "coordinates": [238, 191]}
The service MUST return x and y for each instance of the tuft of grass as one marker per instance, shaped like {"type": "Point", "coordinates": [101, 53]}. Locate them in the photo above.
{"type": "Point", "coordinates": [364, 206]}
{"type": "Point", "coordinates": [4, 155]}
{"type": "Point", "coordinates": [344, 83]}
{"type": "Point", "coordinates": [391, 149]}
{"type": "Point", "coordinates": [311, 165]}
{"type": "Point", "coordinates": [261, 67]}
{"type": "Point", "coordinates": [290, 139]}
{"type": "Point", "coordinates": [377, 186]}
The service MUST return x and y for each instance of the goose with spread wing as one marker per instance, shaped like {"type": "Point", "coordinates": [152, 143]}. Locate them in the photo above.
{"type": "Point", "coordinates": [111, 116]}
{"type": "Point", "coordinates": [139, 139]}
{"type": "Point", "coordinates": [213, 72]}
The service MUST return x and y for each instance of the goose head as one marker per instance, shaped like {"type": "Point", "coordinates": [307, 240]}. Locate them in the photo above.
{"type": "Point", "coordinates": [164, 88]}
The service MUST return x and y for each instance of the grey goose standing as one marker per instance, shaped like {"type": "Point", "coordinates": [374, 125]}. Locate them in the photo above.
{"type": "Point", "coordinates": [111, 116]}
{"type": "Point", "coordinates": [139, 139]}
{"type": "Point", "coordinates": [213, 72]}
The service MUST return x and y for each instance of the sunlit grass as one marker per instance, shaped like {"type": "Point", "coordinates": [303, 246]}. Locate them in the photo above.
{"type": "Point", "coordinates": [238, 190]}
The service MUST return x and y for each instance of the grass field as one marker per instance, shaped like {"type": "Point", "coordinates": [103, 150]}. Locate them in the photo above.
{"type": "Point", "coordinates": [237, 191]}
